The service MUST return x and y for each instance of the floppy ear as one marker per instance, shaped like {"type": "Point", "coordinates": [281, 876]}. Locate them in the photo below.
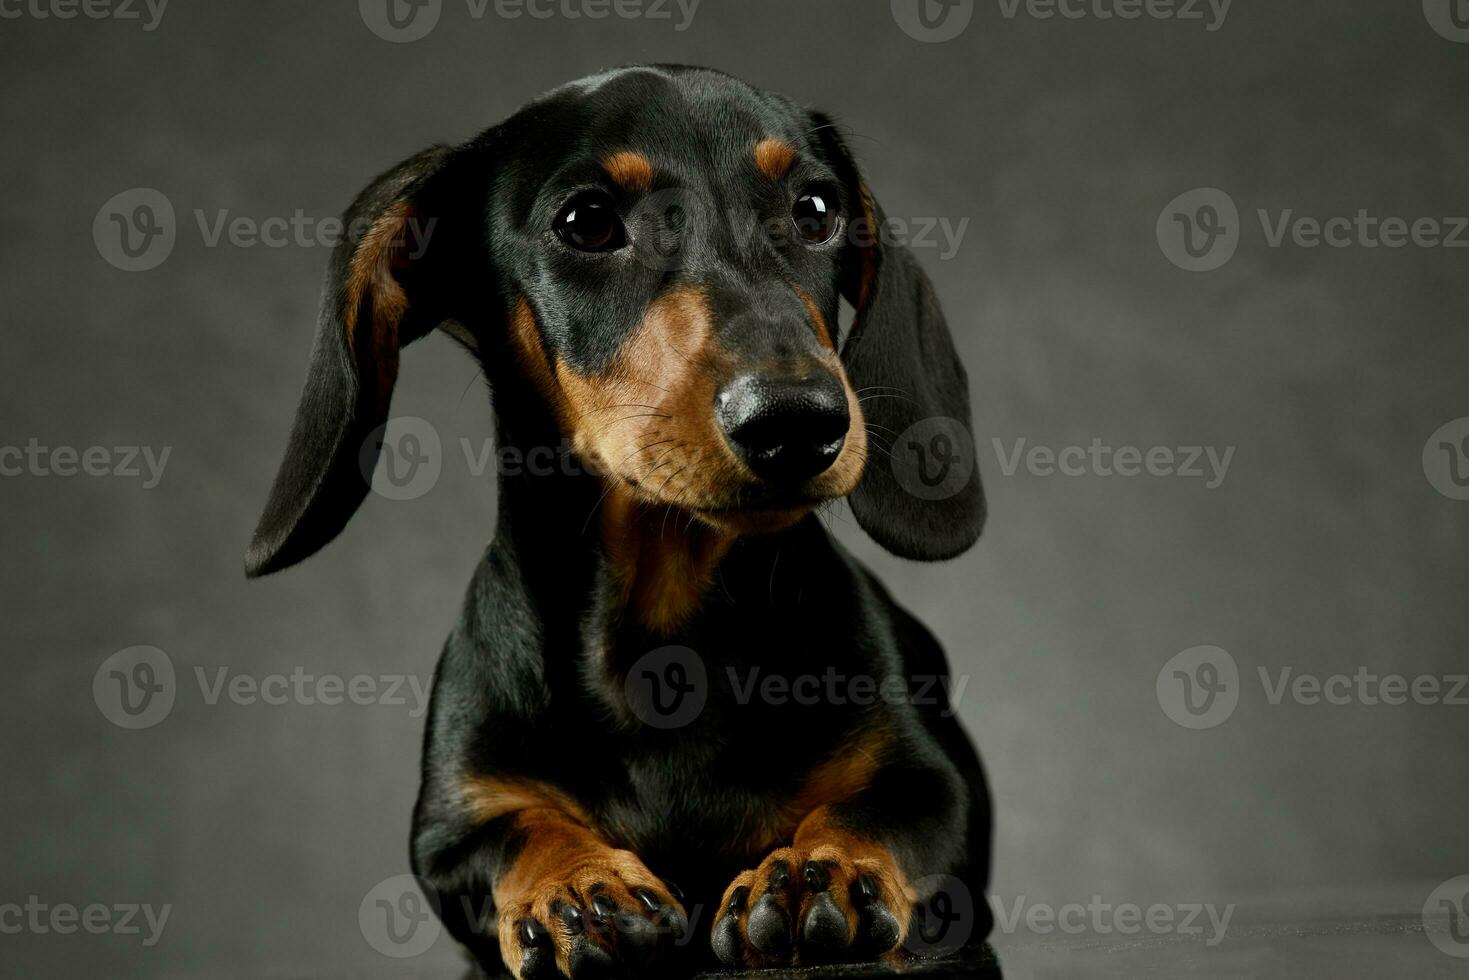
{"type": "Point", "coordinates": [922, 499]}
{"type": "Point", "coordinates": [383, 290]}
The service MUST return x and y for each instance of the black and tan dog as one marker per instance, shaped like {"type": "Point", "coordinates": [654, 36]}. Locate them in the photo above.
{"type": "Point", "coordinates": [648, 264]}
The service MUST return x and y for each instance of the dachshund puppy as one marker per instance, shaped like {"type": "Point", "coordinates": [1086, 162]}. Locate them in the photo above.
{"type": "Point", "coordinates": [648, 265]}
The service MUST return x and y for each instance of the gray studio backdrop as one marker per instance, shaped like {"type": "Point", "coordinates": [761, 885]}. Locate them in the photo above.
{"type": "Point", "coordinates": [1092, 191]}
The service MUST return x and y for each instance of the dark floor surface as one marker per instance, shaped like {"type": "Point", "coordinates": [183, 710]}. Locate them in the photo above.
{"type": "Point", "coordinates": [1377, 947]}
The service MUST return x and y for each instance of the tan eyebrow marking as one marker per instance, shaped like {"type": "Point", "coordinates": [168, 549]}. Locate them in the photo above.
{"type": "Point", "coordinates": [630, 170]}
{"type": "Point", "coordinates": [774, 157]}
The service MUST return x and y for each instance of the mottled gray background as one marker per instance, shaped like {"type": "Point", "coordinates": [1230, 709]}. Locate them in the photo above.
{"type": "Point", "coordinates": [1060, 142]}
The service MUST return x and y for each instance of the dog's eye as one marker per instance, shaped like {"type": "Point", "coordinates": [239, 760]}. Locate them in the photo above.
{"type": "Point", "coordinates": [814, 217]}
{"type": "Point", "coordinates": [590, 223]}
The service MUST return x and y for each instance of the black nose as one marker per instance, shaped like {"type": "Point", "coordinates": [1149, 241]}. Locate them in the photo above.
{"type": "Point", "coordinates": [785, 429]}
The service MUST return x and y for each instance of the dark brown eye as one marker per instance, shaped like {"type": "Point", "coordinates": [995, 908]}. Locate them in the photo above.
{"type": "Point", "coordinates": [815, 219]}
{"type": "Point", "coordinates": [590, 223]}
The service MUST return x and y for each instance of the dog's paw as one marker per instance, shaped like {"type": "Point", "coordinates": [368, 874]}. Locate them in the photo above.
{"type": "Point", "coordinates": [827, 902]}
{"type": "Point", "coordinates": [599, 915]}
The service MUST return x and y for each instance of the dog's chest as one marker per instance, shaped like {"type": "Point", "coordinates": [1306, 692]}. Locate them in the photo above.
{"type": "Point", "coordinates": [694, 803]}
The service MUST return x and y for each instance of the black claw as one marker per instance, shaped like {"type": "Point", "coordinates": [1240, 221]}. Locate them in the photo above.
{"type": "Point", "coordinates": [570, 917]}
{"type": "Point", "coordinates": [818, 879]}
{"type": "Point", "coordinates": [768, 930]}
{"type": "Point", "coordinates": [864, 892]}
{"type": "Point", "coordinates": [675, 891]}
{"type": "Point", "coordinates": [738, 899]}
{"type": "Point", "coordinates": [538, 959]}
{"type": "Point", "coordinates": [603, 905]}
{"type": "Point", "coordinates": [649, 900]}
{"type": "Point", "coordinates": [532, 933]}
{"type": "Point", "coordinates": [780, 875]}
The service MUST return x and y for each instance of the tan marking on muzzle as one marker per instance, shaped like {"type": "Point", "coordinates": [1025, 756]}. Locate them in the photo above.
{"type": "Point", "coordinates": [818, 321]}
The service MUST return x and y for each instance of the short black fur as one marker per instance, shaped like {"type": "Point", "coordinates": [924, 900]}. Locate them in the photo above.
{"type": "Point", "coordinates": [531, 681]}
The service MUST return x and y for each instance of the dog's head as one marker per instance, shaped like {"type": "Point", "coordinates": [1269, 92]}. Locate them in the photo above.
{"type": "Point", "coordinates": [659, 255]}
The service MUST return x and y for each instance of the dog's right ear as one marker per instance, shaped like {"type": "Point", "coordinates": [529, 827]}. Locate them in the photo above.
{"type": "Point", "coordinates": [388, 284]}
{"type": "Point", "coordinates": [901, 351]}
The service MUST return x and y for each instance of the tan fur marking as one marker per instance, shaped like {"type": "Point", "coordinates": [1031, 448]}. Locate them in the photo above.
{"type": "Point", "coordinates": [646, 424]}
{"type": "Point", "coordinates": [664, 573]}
{"type": "Point", "coordinates": [488, 798]}
{"type": "Point", "coordinates": [525, 341]}
{"type": "Point", "coordinates": [560, 856]}
{"type": "Point", "coordinates": [562, 859]}
{"type": "Point", "coordinates": [370, 276]}
{"type": "Point", "coordinates": [629, 170]}
{"type": "Point", "coordinates": [648, 419]}
{"type": "Point", "coordinates": [818, 322]}
{"type": "Point", "coordinates": [809, 831]}
{"type": "Point", "coordinates": [823, 839]}
{"type": "Point", "coordinates": [869, 253]}
{"type": "Point", "coordinates": [774, 157]}
{"type": "Point", "coordinates": [835, 780]}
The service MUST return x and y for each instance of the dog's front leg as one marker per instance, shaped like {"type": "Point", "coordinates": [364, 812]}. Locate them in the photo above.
{"type": "Point", "coordinates": [569, 903]}
{"type": "Point", "coordinates": [562, 900]}
{"type": "Point", "coordinates": [847, 885]}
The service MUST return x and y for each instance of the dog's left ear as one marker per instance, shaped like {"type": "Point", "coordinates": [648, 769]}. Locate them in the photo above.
{"type": "Point", "coordinates": [388, 284]}
{"type": "Point", "coordinates": [922, 498]}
